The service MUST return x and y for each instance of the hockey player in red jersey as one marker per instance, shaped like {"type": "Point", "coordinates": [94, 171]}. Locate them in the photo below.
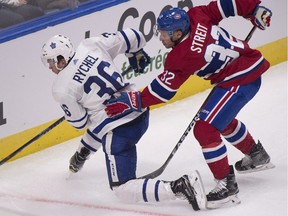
{"type": "Point", "coordinates": [200, 47]}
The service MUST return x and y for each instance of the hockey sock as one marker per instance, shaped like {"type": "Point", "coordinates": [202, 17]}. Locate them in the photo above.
{"type": "Point", "coordinates": [214, 150]}
{"type": "Point", "coordinates": [237, 134]}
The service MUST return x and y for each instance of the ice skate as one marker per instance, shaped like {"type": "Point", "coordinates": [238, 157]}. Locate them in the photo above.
{"type": "Point", "coordinates": [256, 160]}
{"type": "Point", "coordinates": [78, 159]}
{"type": "Point", "coordinates": [190, 187]}
{"type": "Point", "coordinates": [225, 192]}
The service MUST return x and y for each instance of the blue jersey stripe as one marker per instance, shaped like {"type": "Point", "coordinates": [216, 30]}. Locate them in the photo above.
{"type": "Point", "coordinates": [138, 37]}
{"type": "Point", "coordinates": [227, 7]}
{"type": "Point", "coordinates": [126, 40]}
{"type": "Point", "coordinates": [78, 120]}
{"type": "Point", "coordinates": [102, 125]}
{"type": "Point", "coordinates": [162, 92]}
{"type": "Point", "coordinates": [79, 123]}
{"type": "Point", "coordinates": [94, 136]}
{"type": "Point", "coordinates": [88, 146]}
{"type": "Point", "coordinates": [242, 73]}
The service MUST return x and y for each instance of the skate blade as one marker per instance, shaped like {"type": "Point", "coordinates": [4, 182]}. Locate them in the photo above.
{"type": "Point", "coordinates": [70, 175]}
{"type": "Point", "coordinates": [234, 200]}
{"type": "Point", "coordinates": [259, 168]}
{"type": "Point", "coordinates": [197, 183]}
{"type": "Point", "coordinates": [228, 202]}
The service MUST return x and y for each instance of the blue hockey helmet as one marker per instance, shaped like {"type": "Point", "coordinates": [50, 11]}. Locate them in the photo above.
{"type": "Point", "coordinates": [173, 20]}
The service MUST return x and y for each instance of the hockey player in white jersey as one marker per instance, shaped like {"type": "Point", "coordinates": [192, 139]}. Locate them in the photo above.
{"type": "Point", "coordinates": [86, 79]}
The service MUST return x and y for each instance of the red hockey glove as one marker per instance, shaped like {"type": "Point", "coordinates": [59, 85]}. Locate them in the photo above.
{"type": "Point", "coordinates": [124, 104]}
{"type": "Point", "coordinates": [139, 60]}
{"type": "Point", "coordinates": [261, 17]}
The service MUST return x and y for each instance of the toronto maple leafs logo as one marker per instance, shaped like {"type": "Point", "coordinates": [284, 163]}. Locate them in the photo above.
{"type": "Point", "coordinates": [75, 61]}
{"type": "Point", "coordinates": [53, 45]}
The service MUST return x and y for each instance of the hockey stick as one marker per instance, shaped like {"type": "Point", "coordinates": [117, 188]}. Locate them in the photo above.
{"type": "Point", "coordinates": [160, 170]}
{"type": "Point", "coordinates": [32, 140]}
{"type": "Point", "coordinates": [247, 39]}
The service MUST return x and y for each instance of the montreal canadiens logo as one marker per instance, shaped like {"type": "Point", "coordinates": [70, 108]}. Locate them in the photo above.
{"type": "Point", "coordinates": [177, 16]}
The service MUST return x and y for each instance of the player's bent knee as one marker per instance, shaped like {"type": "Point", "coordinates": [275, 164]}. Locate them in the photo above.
{"type": "Point", "coordinates": [206, 133]}
{"type": "Point", "coordinates": [230, 127]}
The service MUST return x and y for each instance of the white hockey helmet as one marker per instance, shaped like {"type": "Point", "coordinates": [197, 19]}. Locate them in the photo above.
{"type": "Point", "coordinates": [56, 46]}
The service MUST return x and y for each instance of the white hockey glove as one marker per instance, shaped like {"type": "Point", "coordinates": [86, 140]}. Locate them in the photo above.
{"type": "Point", "coordinates": [138, 60]}
{"type": "Point", "coordinates": [261, 17]}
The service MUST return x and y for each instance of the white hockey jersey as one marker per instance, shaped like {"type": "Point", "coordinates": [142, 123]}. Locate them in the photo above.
{"type": "Point", "coordinates": [90, 79]}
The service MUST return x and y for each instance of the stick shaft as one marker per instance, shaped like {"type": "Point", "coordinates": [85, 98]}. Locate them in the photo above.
{"type": "Point", "coordinates": [184, 135]}
{"type": "Point", "coordinates": [247, 39]}
{"type": "Point", "coordinates": [32, 140]}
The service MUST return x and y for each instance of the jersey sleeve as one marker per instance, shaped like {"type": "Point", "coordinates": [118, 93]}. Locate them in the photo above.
{"type": "Point", "coordinates": [236, 7]}
{"type": "Point", "coordinates": [75, 114]}
{"type": "Point", "coordinates": [163, 88]}
{"type": "Point", "coordinates": [215, 11]}
{"type": "Point", "coordinates": [125, 41]}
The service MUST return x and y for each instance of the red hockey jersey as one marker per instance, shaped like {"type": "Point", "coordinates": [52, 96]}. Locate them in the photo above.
{"type": "Point", "coordinates": [210, 52]}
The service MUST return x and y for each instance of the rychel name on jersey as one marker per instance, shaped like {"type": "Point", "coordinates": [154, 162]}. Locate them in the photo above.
{"type": "Point", "coordinates": [85, 66]}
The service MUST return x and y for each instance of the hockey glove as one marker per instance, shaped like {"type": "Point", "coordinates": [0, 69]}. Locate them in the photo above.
{"type": "Point", "coordinates": [124, 104]}
{"type": "Point", "coordinates": [261, 17]}
{"type": "Point", "coordinates": [139, 60]}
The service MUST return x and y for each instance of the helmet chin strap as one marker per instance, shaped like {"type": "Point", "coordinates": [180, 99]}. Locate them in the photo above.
{"type": "Point", "coordinates": [58, 67]}
{"type": "Point", "coordinates": [177, 41]}
{"type": "Point", "coordinates": [69, 60]}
